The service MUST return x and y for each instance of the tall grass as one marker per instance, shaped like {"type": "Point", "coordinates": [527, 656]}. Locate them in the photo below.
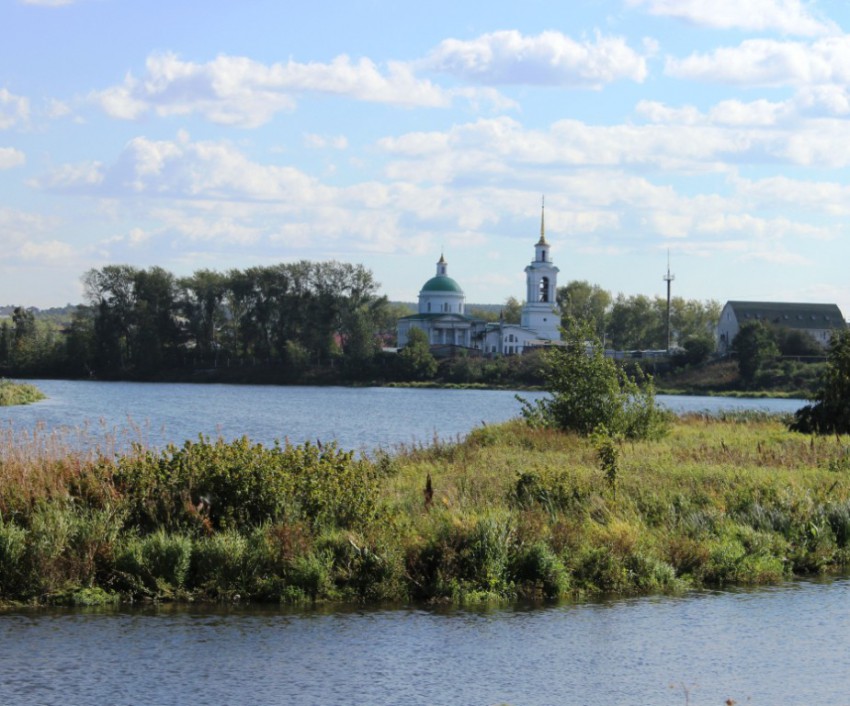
{"type": "Point", "coordinates": [18, 393]}
{"type": "Point", "coordinates": [509, 511]}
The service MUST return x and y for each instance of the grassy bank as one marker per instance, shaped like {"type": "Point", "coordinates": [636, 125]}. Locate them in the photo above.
{"type": "Point", "coordinates": [18, 393]}
{"type": "Point", "coordinates": [508, 512]}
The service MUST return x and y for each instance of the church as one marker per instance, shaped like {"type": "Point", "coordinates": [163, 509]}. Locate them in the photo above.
{"type": "Point", "coordinates": [442, 317]}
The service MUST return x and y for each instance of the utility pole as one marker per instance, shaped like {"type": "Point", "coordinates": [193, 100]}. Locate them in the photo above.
{"type": "Point", "coordinates": [668, 278]}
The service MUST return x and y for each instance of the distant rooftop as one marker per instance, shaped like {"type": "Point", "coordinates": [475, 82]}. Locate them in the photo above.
{"type": "Point", "coordinates": [794, 315]}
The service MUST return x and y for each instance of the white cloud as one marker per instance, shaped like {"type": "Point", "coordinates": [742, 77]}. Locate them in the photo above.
{"type": "Point", "coordinates": [784, 16]}
{"type": "Point", "coordinates": [775, 193]}
{"type": "Point", "coordinates": [46, 250]}
{"type": "Point", "coordinates": [17, 226]}
{"type": "Point", "coordinates": [336, 142]}
{"type": "Point", "coordinates": [57, 109]}
{"type": "Point", "coordinates": [234, 90]}
{"type": "Point", "coordinates": [11, 157]}
{"type": "Point", "coordinates": [181, 169]}
{"type": "Point", "coordinates": [72, 177]}
{"type": "Point", "coordinates": [502, 146]}
{"type": "Point", "coordinates": [767, 62]}
{"type": "Point", "coordinates": [13, 109]}
{"type": "Point", "coordinates": [549, 58]}
{"type": "Point", "coordinates": [49, 3]}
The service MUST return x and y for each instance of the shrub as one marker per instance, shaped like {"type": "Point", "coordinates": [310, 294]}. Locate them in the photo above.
{"type": "Point", "coordinates": [218, 563]}
{"type": "Point", "coordinates": [589, 391]}
{"type": "Point", "coordinates": [155, 565]}
{"type": "Point", "coordinates": [204, 486]}
{"type": "Point", "coordinates": [13, 541]}
{"type": "Point", "coordinates": [831, 412]}
{"type": "Point", "coordinates": [537, 570]}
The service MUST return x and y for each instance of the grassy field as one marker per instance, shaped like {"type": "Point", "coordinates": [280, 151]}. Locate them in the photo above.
{"type": "Point", "coordinates": [507, 512]}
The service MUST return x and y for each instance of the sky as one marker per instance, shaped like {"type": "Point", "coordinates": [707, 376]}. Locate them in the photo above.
{"type": "Point", "coordinates": [216, 135]}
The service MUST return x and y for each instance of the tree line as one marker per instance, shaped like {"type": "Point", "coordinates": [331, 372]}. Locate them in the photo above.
{"type": "Point", "coordinates": [639, 322]}
{"type": "Point", "coordinates": [297, 319]}
{"type": "Point", "coordinates": [138, 322]}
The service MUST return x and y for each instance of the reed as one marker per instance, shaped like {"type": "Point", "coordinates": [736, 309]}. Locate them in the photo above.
{"type": "Point", "coordinates": [18, 393]}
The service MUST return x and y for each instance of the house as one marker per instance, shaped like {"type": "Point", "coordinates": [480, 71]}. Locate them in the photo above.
{"type": "Point", "coordinates": [442, 317]}
{"type": "Point", "coordinates": [817, 320]}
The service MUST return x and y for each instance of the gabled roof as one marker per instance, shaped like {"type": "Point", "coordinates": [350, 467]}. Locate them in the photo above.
{"type": "Point", "coordinates": [792, 315]}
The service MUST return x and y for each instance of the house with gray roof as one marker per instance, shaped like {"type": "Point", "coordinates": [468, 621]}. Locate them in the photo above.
{"type": "Point", "coordinates": [817, 320]}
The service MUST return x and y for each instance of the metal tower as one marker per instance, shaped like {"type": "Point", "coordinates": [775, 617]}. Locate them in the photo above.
{"type": "Point", "coordinates": [668, 278]}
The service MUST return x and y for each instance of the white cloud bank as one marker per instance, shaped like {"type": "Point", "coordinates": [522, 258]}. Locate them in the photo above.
{"type": "Point", "coordinates": [769, 63]}
{"type": "Point", "coordinates": [788, 17]}
{"type": "Point", "coordinates": [549, 59]}
{"type": "Point", "coordinates": [234, 90]}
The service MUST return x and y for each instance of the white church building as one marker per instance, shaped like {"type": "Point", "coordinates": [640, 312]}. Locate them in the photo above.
{"type": "Point", "coordinates": [441, 312]}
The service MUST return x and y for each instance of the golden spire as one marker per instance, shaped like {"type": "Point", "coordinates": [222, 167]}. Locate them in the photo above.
{"type": "Point", "coordinates": [542, 240]}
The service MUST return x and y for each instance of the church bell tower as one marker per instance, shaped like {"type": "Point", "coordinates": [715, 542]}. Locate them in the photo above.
{"type": "Point", "coordinates": [540, 312]}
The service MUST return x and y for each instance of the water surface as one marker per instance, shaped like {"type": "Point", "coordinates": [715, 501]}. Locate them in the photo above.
{"type": "Point", "coordinates": [357, 418]}
{"type": "Point", "coordinates": [787, 645]}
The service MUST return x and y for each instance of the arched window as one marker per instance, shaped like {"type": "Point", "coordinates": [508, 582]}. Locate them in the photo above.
{"type": "Point", "coordinates": [544, 289]}
{"type": "Point", "coordinates": [429, 307]}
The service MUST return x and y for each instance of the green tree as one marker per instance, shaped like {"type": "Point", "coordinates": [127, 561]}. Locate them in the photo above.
{"type": "Point", "coordinates": [586, 303]}
{"type": "Point", "coordinates": [690, 318]}
{"type": "Point", "coordinates": [156, 331]}
{"type": "Point", "coordinates": [203, 297]}
{"type": "Point", "coordinates": [5, 343]}
{"type": "Point", "coordinates": [591, 393]}
{"type": "Point", "coordinates": [794, 342]}
{"type": "Point", "coordinates": [830, 414]}
{"type": "Point", "coordinates": [80, 343]}
{"type": "Point", "coordinates": [754, 346]}
{"type": "Point", "coordinates": [636, 323]}
{"type": "Point", "coordinates": [417, 362]}
{"type": "Point", "coordinates": [512, 311]}
{"type": "Point", "coordinates": [695, 350]}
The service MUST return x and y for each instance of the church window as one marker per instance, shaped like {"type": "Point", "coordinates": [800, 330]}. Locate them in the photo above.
{"type": "Point", "coordinates": [429, 307]}
{"type": "Point", "coordinates": [544, 289]}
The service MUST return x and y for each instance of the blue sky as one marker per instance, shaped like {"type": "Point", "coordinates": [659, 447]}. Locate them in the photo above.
{"type": "Point", "coordinates": [218, 134]}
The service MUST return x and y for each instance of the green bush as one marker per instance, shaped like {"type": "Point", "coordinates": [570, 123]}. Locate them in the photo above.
{"type": "Point", "coordinates": [830, 414]}
{"type": "Point", "coordinates": [537, 570]}
{"type": "Point", "coordinates": [156, 565]}
{"type": "Point", "coordinates": [219, 563]}
{"type": "Point", "coordinates": [204, 486]}
{"type": "Point", "coordinates": [589, 391]}
{"type": "Point", "coordinates": [13, 545]}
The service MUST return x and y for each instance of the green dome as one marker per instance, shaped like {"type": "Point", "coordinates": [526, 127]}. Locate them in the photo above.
{"type": "Point", "coordinates": [442, 283]}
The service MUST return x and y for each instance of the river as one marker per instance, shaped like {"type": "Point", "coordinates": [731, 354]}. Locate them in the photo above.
{"type": "Point", "coordinates": [788, 645]}
{"type": "Point", "coordinates": [357, 418]}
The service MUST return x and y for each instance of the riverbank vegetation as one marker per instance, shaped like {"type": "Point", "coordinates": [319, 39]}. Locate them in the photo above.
{"type": "Point", "coordinates": [510, 511]}
{"type": "Point", "coordinates": [326, 323]}
{"type": "Point", "coordinates": [12, 393]}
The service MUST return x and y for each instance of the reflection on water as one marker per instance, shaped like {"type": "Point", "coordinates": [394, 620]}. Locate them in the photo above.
{"type": "Point", "coordinates": [781, 645]}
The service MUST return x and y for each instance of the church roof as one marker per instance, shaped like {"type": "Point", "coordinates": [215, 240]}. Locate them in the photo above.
{"type": "Point", "coordinates": [441, 283]}
{"type": "Point", "coordinates": [442, 315]}
{"type": "Point", "coordinates": [793, 315]}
